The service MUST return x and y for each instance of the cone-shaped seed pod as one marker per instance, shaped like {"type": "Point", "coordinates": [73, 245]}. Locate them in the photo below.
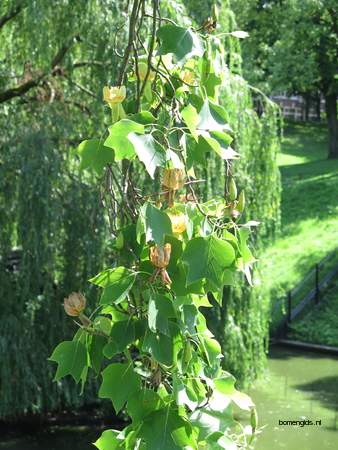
{"type": "Point", "coordinates": [74, 304]}
{"type": "Point", "coordinates": [160, 255]}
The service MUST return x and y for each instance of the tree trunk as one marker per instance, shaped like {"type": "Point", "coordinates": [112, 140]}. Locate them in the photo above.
{"type": "Point", "coordinates": [318, 106]}
{"type": "Point", "coordinates": [307, 103]}
{"type": "Point", "coordinates": [331, 113]}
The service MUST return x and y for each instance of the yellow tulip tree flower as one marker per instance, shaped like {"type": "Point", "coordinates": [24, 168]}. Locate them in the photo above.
{"type": "Point", "coordinates": [114, 96]}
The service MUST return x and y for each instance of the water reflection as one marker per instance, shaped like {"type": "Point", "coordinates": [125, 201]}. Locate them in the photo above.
{"type": "Point", "coordinates": [299, 386]}
{"type": "Point", "coordinates": [55, 438]}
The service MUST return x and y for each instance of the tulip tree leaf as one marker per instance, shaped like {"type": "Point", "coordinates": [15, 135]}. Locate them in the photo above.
{"type": "Point", "coordinates": [154, 223]}
{"type": "Point", "coordinates": [71, 357]}
{"type": "Point", "coordinates": [160, 309]}
{"type": "Point", "coordinates": [191, 118]}
{"type": "Point", "coordinates": [149, 151]}
{"type": "Point", "coordinates": [208, 257]}
{"type": "Point", "coordinates": [122, 334]}
{"type": "Point", "coordinates": [94, 155]}
{"type": "Point", "coordinates": [166, 430]}
{"type": "Point", "coordinates": [163, 348]}
{"type": "Point", "coordinates": [116, 282]}
{"type": "Point", "coordinates": [143, 403]}
{"type": "Point", "coordinates": [212, 118]}
{"type": "Point", "coordinates": [108, 440]}
{"type": "Point", "coordinates": [118, 138]}
{"type": "Point", "coordinates": [119, 383]}
{"type": "Point", "coordinates": [184, 43]}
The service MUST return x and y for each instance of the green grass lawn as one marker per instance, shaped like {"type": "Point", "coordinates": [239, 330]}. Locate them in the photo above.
{"type": "Point", "coordinates": [309, 209]}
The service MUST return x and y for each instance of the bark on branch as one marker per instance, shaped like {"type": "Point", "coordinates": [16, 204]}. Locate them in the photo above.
{"type": "Point", "coordinates": [24, 87]}
{"type": "Point", "coordinates": [11, 14]}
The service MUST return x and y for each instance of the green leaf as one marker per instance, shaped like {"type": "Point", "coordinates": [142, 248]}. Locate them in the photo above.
{"type": "Point", "coordinates": [122, 334]}
{"type": "Point", "coordinates": [208, 257]}
{"type": "Point", "coordinates": [143, 403]}
{"type": "Point", "coordinates": [211, 118]}
{"type": "Point", "coordinates": [182, 42]}
{"type": "Point", "coordinates": [108, 440]}
{"type": "Point", "coordinates": [120, 382]}
{"type": "Point", "coordinates": [217, 143]}
{"type": "Point", "coordinates": [191, 118]}
{"type": "Point", "coordinates": [149, 151]}
{"type": "Point", "coordinates": [162, 347]}
{"type": "Point", "coordinates": [116, 282]}
{"type": "Point", "coordinates": [144, 117]}
{"type": "Point", "coordinates": [212, 349]}
{"type": "Point", "coordinates": [96, 352]}
{"type": "Point", "coordinates": [166, 430]}
{"type": "Point", "coordinates": [154, 223]}
{"type": "Point", "coordinates": [160, 310]}
{"type": "Point", "coordinates": [242, 400]}
{"type": "Point", "coordinates": [71, 357]}
{"type": "Point", "coordinates": [118, 138]}
{"type": "Point", "coordinates": [239, 34]}
{"type": "Point", "coordinates": [225, 384]}
{"type": "Point", "coordinates": [209, 420]}
{"type": "Point", "coordinates": [94, 155]}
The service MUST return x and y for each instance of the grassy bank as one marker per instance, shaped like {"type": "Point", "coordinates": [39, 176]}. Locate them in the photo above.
{"type": "Point", "coordinates": [309, 209]}
{"type": "Point", "coordinates": [320, 325]}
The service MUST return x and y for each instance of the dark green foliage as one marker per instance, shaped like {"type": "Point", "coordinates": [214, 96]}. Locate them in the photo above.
{"type": "Point", "coordinates": [53, 220]}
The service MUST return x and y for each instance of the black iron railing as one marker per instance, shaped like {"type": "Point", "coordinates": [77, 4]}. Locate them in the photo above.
{"type": "Point", "coordinates": [312, 285]}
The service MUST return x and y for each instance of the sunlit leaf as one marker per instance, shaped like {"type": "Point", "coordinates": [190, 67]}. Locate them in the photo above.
{"type": "Point", "coordinates": [94, 155]}
{"type": "Point", "coordinates": [120, 382]}
{"type": "Point", "coordinates": [182, 42]}
{"type": "Point", "coordinates": [116, 283]}
{"type": "Point", "coordinates": [149, 151]}
{"type": "Point", "coordinates": [71, 357]}
{"type": "Point", "coordinates": [118, 138]}
{"type": "Point", "coordinates": [108, 440]}
{"type": "Point", "coordinates": [208, 258]}
{"type": "Point", "coordinates": [154, 223]}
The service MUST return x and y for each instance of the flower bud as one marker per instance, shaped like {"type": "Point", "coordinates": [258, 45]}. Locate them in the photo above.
{"type": "Point", "coordinates": [188, 77]}
{"type": "Point", "coordinates": [241, 202]}
{"type": "Point", "coordinates": [142, 72]}
{"type": "Point", "coordinates": [178, 223]}
{"type": "Point", "coordinates": [114, 95]}
{"type": "Point", "coordinates": [232, 190]}
{"type": "Point", "coordinates": [74, 304]}
{"type": "Point", "coordinates": [160, 255]}
{"type": "Point", "coordinates": [173, 178]}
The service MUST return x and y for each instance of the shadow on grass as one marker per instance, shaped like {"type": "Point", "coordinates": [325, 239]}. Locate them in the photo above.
{"type": "Point", "coordinates": [310, 191]}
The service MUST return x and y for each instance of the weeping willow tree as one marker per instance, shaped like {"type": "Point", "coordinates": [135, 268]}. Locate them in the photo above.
{"type": "Point", "coordinates": [50, 211]}
{"type": "Point", "coordinates": [51, 227]}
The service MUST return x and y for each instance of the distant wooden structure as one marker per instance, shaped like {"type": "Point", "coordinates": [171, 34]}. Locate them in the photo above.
{"type": "Point", "coordinates": [300, 108]}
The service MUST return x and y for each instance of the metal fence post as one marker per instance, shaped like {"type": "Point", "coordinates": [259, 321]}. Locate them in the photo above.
{"type": "Point", "coordinates": [317, 284]}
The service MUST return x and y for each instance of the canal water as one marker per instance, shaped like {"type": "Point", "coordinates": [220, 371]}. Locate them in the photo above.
{"type": "Point", "coordinates": [299, 386]}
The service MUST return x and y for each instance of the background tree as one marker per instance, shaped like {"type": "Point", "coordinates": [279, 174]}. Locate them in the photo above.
{"type": "Point", "coordinates": [294, 46]}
